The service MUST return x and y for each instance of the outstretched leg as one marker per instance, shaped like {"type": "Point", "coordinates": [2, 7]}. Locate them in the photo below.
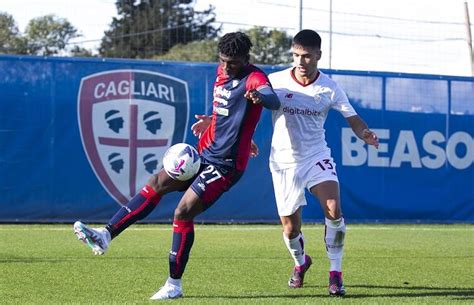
{"type": "Point", "coordinates": [140, 206]}
{"type": "Point", "coordinates": [136, 209]}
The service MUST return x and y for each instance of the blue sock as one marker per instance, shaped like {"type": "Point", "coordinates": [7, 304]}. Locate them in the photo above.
{"type": "Point", "coordinates": [136, 209]}
{"type": "Point", "coordinates": [183, 238]}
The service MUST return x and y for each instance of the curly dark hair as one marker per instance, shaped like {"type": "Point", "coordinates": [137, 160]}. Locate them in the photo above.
{"type": "Point", "coordinates": [234, 44]}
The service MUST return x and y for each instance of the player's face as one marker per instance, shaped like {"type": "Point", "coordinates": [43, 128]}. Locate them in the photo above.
{"type": "Point", "coordinates": [232, 65]}
{"type": "Point", "coordinates": [305, 61]}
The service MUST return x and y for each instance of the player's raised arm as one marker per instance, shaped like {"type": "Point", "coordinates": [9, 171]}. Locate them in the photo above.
{"type": "Point", "coordinates": [201, 125]}
{"type": "Point", "coordinates": [264, 95]}
{"type": "Point", "coordinates": [253, 149]}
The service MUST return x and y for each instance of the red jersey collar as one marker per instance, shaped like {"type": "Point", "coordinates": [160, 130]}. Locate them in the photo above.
{"type": "Point", "coordinates": [292, 72]}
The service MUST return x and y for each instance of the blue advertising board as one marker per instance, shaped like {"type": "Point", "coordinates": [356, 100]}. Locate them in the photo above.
{"type": "Point", "coordinates": [79, 137]}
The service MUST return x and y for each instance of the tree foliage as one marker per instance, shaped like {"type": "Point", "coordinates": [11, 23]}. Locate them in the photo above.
{"type": "Point", "coordinates": [147, 28]}
{"type": "Point", "coordinates": [204, 51]}
{"type": "Point", "coordinates": [49, 35]}
{"type": "Point", "coordinates": [270, 47]}
{"type": "Point", "coordinates": [45, 36]}
{"type": "Point", "coordinates": [78, 51]}
{"type": "Point", "coordinates": [11, 41]}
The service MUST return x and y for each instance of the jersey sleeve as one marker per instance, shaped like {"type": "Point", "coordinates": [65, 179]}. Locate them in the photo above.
{"type": "Point", "coordinates": [341, 103]}
{"type": "Point", "coordinates": [256, 80]}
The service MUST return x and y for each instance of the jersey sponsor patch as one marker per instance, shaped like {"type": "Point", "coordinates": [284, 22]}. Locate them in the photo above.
{"type": "Point", "coordinates": [221, 111]}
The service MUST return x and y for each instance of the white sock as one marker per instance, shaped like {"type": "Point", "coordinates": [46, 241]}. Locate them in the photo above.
{"type": "Point", "coordinates": [296, 248]}
{"type": "Point", "coordinates": [175, 282]}
{"type": "Point", "coordinates": [334, 238]}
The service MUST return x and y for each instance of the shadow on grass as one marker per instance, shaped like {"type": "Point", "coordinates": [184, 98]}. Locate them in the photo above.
{"type": "Point", "coordinates": [415, 291]}
{"type": "Point", "coordinates": [461, 294]}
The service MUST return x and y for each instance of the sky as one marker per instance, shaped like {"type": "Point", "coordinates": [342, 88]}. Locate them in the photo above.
{"type": "Point", "coordinates": [422, 36]}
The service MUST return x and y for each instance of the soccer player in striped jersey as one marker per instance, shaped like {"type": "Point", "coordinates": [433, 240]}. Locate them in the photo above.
{"type": "Point", "coordinates": [300, 158]}
{"type": "Point", "coordinates": [241, 90]}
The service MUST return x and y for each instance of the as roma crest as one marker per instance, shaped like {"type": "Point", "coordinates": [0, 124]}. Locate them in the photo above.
{"type": "Point", "coordinates": [127, 120]}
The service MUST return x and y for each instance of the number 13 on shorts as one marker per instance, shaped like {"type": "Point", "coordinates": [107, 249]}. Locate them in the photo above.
{"type": "Point", "coordinates": [326, 165]}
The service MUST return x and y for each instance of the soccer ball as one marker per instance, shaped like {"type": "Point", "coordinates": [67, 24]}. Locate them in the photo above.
{"type": "Point", "coordinates": [181, 161]}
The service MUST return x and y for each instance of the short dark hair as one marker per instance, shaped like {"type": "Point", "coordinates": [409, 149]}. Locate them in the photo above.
{"type": "Point", "coordinates": [307, 38]}
{"type": "Point", "coordinates": [234, 44]}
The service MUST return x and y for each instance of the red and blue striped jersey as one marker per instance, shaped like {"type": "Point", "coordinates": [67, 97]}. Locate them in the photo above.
{"type": "Point", "coordinates": [227, 139]}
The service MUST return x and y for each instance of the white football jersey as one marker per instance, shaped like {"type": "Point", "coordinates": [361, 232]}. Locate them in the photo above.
{"type": "Point", "coordinates": [298, 134]}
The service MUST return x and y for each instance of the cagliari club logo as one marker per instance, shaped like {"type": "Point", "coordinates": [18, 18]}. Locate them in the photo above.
{"type": "Point", "coordinates": [127, 120]}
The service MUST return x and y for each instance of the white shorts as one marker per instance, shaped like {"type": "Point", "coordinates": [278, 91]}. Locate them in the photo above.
{"type": "Point", "coordinates": [290, 183]}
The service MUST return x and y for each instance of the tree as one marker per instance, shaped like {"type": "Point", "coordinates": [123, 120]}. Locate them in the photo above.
{"type": "Point", "coordinates": [146, 28]}
{"type": "Point", "coordinates": [11, 41]}
{"type": "Point", "coordinates": [49, 35]}
{"type": "Point", "coordinates": [78, 51]}
{"type": "Point", "coordinates": [205, 51]}
{"type": "Point", "coordinates": [271, 47]}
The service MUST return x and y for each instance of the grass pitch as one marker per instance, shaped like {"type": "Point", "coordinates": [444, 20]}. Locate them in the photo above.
{"type": "Point", "coordinates": [238, 264]}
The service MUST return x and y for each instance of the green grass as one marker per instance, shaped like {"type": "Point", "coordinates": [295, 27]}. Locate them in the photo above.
{"type": "Point", "coordinates": [238, 264]}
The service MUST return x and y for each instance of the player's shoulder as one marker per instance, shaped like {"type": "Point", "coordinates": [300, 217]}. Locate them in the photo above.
{"type": "Point", "coordinates": [326, 81]}
{"type": "Point", "coordinates": [255, 72]}
{"type": "Point", "coordinates": [279, 76]}
{"type": "Point", "coordinates": [251, 69]}
{"type": "Point", "coordinates": [281, 73]}
{"type": "Point", "coordinates": [255, 77]}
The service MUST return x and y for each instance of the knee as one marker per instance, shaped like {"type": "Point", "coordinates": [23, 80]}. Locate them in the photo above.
{"type": "Point", "coordinates": [333, 210]}
{"type": "Point", "coordinates": [291, 231]}
{"type": "Point", "coordinates": [154, 182]}
{"type": "Point", "coordinates": [157, 184]}
{"type": "Point", "coordinates": [181, 213]}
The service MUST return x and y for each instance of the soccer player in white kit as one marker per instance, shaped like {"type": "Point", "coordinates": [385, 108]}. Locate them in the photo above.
{"type": "Point", "coordinates": [300, 158]}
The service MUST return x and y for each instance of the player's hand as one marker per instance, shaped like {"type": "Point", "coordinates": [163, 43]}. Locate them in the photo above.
{"type": "Point", "coordinates": [254, 96]}
{"type": "Point", "coordinates": [201, 125]}
{"type": "Point", "coordinates": [370, 137]}
{"type": "Point", "coordinates": [253, 149]}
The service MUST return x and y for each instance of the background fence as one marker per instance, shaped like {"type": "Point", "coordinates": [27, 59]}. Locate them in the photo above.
{"type": "Point", "coordinates": [77, 136]}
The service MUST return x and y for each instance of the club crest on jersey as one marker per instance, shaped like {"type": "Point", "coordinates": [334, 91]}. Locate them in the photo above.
{"type": "Point", "coordinates": [127, 120]}
{"type": "Point", "coordinates": [317, 98]}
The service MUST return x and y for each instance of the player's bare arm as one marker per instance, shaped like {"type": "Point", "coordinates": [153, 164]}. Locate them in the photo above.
{"type": "Point", "coordinates": [253, 149]}
{"type": "Point", "coordinates": [264, 95]}
{"type": "Point", "coordinates": [201, 125]}
{"type": "Point", "coordinates": [361, 130]}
